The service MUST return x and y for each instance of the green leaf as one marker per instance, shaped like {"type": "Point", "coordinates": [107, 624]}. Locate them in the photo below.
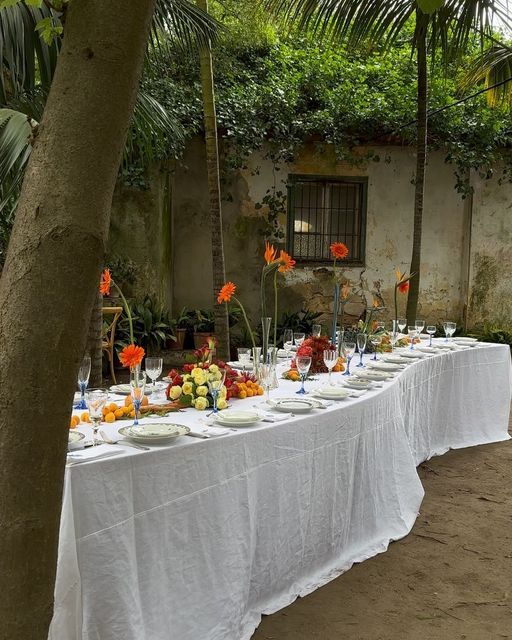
{"type": "Point", "coordinates": [8, 3]}
{"type": "Point", "coordinates": [34, 3]}
{"type": "Point", "coordinates": [430, 6]}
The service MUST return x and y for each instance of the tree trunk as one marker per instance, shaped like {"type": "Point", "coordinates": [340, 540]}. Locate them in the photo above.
{"type": "Point", "coordinates": [421, 158]}
{"type": "Point", "coordinates": [48, 288]}
{"type": "Point", "coordinates": [93, 346]}
{"type": "Point", "coordinates": [213, 171]}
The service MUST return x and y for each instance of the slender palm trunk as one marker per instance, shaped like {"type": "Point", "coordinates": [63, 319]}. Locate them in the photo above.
{"type": "Point", "coordinates": [421, 159]}
{"type": "Point", "coordinates": [213, 171]}
{"type": "Point", "coordinates": [48, 288]}
{"type": "Point", "coordinates": [93, 346]}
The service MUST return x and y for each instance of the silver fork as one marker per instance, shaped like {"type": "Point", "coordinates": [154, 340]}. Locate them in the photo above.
{"type": "Point", "coordinates": [126, 443]}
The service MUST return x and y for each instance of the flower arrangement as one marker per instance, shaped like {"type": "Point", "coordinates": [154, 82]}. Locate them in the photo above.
{"type": "Point", "coordinates": [131, 356]}
{"type": "Point", "coordinates": [190, 389]}
{"type": "Point", "coordinates": [315, 347]}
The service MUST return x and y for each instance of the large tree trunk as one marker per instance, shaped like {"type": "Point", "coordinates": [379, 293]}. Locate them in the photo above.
{"type": "Point", "coordinates": [421, 159]}
{"type": "Point", "coordinates": [93, 345]}
{"type": "Point", "coordinates": [49, 285]}
{"type": "Point", "coordinates": [212, 166]}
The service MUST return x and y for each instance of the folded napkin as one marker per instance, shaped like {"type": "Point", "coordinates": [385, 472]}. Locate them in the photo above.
{"type": "Point", "coordinates": [209, 430]}
{"type": "Point", "coordinates": [93, 453]}
{"type": "Point", "coordinates": [272, 417]}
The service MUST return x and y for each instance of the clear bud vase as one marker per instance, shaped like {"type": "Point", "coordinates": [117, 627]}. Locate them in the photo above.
{"type": "Point", "coordinates": [256, 359]}
{"type": "Point", "coordinates": [265, 326]}
{"type": "Point", "coordinates": [274, 383]}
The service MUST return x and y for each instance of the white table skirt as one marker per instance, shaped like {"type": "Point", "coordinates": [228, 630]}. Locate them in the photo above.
{"type": "Point", "coordinates": [196, 540]}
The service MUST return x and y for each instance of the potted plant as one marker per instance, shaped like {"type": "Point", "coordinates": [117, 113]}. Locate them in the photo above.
{"type": "Point", "coordinates": [204, 326]}
{"type": "Point", "coordinates": [183, 324]}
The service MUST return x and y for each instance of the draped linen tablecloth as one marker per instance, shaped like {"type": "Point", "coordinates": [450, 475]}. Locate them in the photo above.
{"type": "Point", "coordinates": [198, 539]}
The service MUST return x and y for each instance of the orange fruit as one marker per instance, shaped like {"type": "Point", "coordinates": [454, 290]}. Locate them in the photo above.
{"type": "Point", "coordinates": [260, 391]}
{"type": "Point", "coordinates": [112, 407]}
{"type": "Point", "coordinates": [242, 394]}
{"type": "Point", "coordinates": [132, 414]}
{"type": "Point", "coordinates": [127, 401]}
{"type": "Point", "coordinates": [104, 411]}
{"type": "Point", "coordinates": [250, 393]}
{"type": "Point", "coordinates": [110, 417]}
{"type": "Point", "coordinates": [119, 413]}
{"type": "Point", "coordinates": [145, 401]}
{"type": "Point", "coordinates": [74, 422]}
{"type": "Point", "coordinates": [85, 417]}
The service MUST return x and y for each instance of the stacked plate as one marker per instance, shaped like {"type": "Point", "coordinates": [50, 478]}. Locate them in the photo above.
{"type": "Point", "coordinates": [431, 350]}
{"type": "Point", "coordinates": [358, 384]}
{"type": "Point", "coordinates": [331, 393]}
{"type": "Point", "coordinates": [396, 359]}
{"type": "Point", "coordinates": [466, 341]}
{"type": "Point", "coordinates": [75, 440]}
{"type": "Point", "coordinates": [449, 346]}
{"type": "Point", "coordinates": [412, 354]}
{"type": "Point", "coordinates": [237, 418]}
{"type": "Point", "coordinates": [385, 366]}
{"type": "Point", "coordinates": [293, 405]}
{"type": "Point", "coordinates": [155, 433]}
{"type": "Point", "coordinates": [377, 376]}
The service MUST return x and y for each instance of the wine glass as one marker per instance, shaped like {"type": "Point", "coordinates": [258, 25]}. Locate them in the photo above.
{"type": "Point", "coordinates": [402, 323]}
{"type": "Point", "coordinates": [287, 341]}
{"type": "Point", "coordinates": [154, 370]}
{"type": "Point", "coordinates": [348, 349]}
{"type": "Point", "coordinates": [361, 346]}
{"type": "Point", "coordinates": [375, 339]}
{"type": "Point", "coordinates": [83, 380]}
{"type": "Point", "coordinates": [266, 376]}
{"type": "Point", "coordinates": [96, 400]}
{"type": "Point", "coordinates": [316, 330]}
{"type": "Point", "coordinates": [420, 325]}
{"type": "Point", "coordinates": [431, 329]}
{"type": "Point", "coordinates": [330, 360]}
{"type": "Point", "coordinates": [299, 338]}
{"type": "Point", "coordinates": [215, 385]}
{"type": "Point", "coordinates": [449, 329]}
{"type": "Point", "coordinates": [137, 388]}
{"type": "Point", "coordinates": [413, 332]}
{"type": "Point", "coordinates": [244, 356]}
{"type": "Point", "coordinates": [303, 364]}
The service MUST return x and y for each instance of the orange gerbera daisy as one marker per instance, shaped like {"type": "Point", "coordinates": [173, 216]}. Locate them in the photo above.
{"type": "Point", "coordinates": [105, 283]}
{"type": "Point", "coordinates": [226, 293]}
{"type": "Point", "coordinates": [339, 250]}
{"type": "Point", "coordinates": [286, 261]}
{"type": "Point", "coordinates": [131, 356]}
{"type": "Point", "coordinates": [270, 253]}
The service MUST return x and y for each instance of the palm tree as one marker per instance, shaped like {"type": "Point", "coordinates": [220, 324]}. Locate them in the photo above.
{"type": "Point", "coordinates": [213, 173]}
{"type": "Point", "coordinates": [494, 68]}
{"type": "Point", "coordinates": [441, 27]}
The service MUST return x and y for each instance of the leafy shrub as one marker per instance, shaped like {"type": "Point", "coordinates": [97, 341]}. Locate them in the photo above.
{"type": "Point", "coordinates": [494, 333]}
{"type": "Point", "coordinates": [152, 326]}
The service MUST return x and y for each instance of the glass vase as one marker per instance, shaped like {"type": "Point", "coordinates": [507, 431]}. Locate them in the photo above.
{"type": "Point", "coordinates": [256, 360]}
{"type": "Point", "coordinates": [265, 327]}
{"type": "Point", "coordinates": [335, 307]}
{"type": "Point", "coordinates": [274, 382]}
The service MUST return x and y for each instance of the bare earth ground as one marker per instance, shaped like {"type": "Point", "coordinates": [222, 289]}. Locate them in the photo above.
{"type": "Point", "coordinates": [449, 579]}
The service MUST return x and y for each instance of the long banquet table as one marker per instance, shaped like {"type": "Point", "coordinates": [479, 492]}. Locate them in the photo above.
{"type": "Point", "coordinates": [196, 540]}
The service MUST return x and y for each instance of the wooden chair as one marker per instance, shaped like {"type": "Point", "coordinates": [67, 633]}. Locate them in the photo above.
{"type": "Point", "coordinates": [110, 315]}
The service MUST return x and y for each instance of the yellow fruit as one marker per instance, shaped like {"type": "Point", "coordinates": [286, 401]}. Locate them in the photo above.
{"type": "Point", "coordinates": [260, 391]}
{"type": "Point", "coordinates": [104, 411]}
{"type": "Point", "coordinates": [112, 407]}
{"type": "Point", "coordinates": [74, 422]}
{"type": "Point", "coordinates": [250, 393]}
{"type": "Point", "coordinates": [119, 413]}
{"type": "Point", "coordinates": [130, 408]}
{"type": "Point", "coordinates": [110, 417]}
{"type": "Point", "coordinates": [85, 417]}
{"type": "Point", "coordinates": [127, 401]}
{"type": "Point", "coordinates": [242, 394]}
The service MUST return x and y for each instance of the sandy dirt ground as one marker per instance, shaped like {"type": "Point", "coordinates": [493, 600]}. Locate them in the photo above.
{"type": "Point", "coordinates": [449, 579]}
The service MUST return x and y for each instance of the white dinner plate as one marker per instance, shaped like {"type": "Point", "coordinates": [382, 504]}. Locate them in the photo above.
{"type": "Point", "coordinates": [75, 436]}
{"type": "Point", "coordinates": [412, 354]}
{"type": "Point", "coordinates": [464, 339]}
{"type": "Point", "coordinates": [239, 418]}
{"type": "Point", "coordinates": [156, 433]}
{"type": "Point", "coordinates": [293, 405]}
{"type": "Point", "coordinates": [427, 349]}
{"type": "Point", "coordinates": [331, 393]}
{"type": "Point", "coordinates": [359, 385]}
{"type": "Point", "coordinates": [449, 346]}
{"type": "Point", "coordinates": [385, 366]}
{"type": "Point", "coordinates": [395, 359]}
{"type": "Point", "coordinates": [378, 376]}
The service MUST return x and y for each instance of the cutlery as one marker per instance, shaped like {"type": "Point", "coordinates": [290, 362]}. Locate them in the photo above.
{"type": "Point", "coordinates": [203, 436]}
{"type": "Point", "coordinates": [125, 443]}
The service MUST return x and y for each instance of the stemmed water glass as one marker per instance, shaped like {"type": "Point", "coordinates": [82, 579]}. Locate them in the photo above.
{"type": "Point", "coordinates": [96, 400]}
{"type": "Point", "coordinates": [431, 329]}
{"type": "Point", "coordinates": [244, 356]}
{"type": "Point", "coordinates": [330, 360]}
{"type": "Point", "coordinates": [413, 332]}
{"type": "Point", "coordinates": [215, 385]}
{"type": "Point", "coordinates": [299, 338]}
{"type": "Point", "coordinates": [316, 330]}
{"type": "Point", "coordinates": [83, 380]}
{"type": "Point", "coordinates": [303, 364]}
{"type": "Point", "coordinates": [154, 370]}
{"type": "Point", "coordinates": [137, 389]}
{"type": "Point", "coordinates": [348, 349]}
{"type": "Point", "coordinates": [287, 341]}
{"type": "Point", "coordinates": [449, 329]}
{"type": "Point", "coordinates": [375, 339]}
{"type": "Point", "coordinates": [419, 324]}
{"type": "Point", "coordinates": [361, 346]}
{"type": "Point", "coordinates": [402, 323]}
{"type": "Point", "coordinates": [266, 376]}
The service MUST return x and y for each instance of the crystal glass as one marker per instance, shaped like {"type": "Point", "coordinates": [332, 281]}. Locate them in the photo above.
{"type": "Point", "coordinates": [83, 380]}
{"type": "Point", "coordinates": [267, 378]}
{"type": "Point", "coordinates": [316, 330]}
{"type": "Point", "coordinates": [215, 385]}
{"type": "Point", "coordinates": [431, 329]}
{"type": "Point", "coordinates": [256, 360]}
{"type": "Point", "coordinates": [402, 323]}
{"type": "Point", "coordinates": [413, 332]}
{"type": "Point", "coordinates": [420, 325]}
{"type": "Point", "coordinates": [287, 341]}
{"type": "Point", "coordinates": [375, 339]}
{"type": "Point", "coordinates": [265, 334]}
{"type": "Point", "coordinates": [449, 329]}
{"type": "Point", "coordinates": [244, 356]}
{"type": "Point", "coordinates": [361, 346]}
{"type": "Point", "coordinates": [348, 349]}
{"type": "Point", "coordinates": [154, 370]}
{"type": "Point", "coordinates": [299, 338]}
{"type": "Point", "coordinates": [303, 364]}
{"type": "Point", "coordinates": [96, 401]}
{"type": "Point", "coordinates": [330, 360]}
{"type": "Point", "coordinates": [137, 389]}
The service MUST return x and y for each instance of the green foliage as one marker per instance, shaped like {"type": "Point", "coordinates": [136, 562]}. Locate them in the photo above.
{"type": "Point", "coordinates": [298, 321]}
{"type": "Point", "coordinates": [496, 334]}
{"type": "Point", "coordinates": [124, 271]}
{"type": "Point", "coordinates": [152, 326]}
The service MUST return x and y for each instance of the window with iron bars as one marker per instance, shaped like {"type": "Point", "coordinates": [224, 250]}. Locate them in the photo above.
{"type": "Point", "coordinates": [323, 210]}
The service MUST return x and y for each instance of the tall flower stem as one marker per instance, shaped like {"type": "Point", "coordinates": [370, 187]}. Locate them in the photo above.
{"type": "Point", "coordinates": [246, 320]}
{"type": "Point", "coordinates": [396, 305]}
{"type": "Point", "coordinates": [127, 309]}
{"type": "Point", "coordinates": [275, 309]}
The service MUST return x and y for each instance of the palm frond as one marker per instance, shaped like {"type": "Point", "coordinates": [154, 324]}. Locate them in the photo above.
{"type": "Point", "coordinates": [15, 147]}
{"type": "Point", "coordinates": [494, 68]}
{"type": "Point", "coordinates": [184, 22]}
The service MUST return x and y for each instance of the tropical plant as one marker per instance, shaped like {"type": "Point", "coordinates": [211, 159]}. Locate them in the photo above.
{"type": "Point", "coordinates": [298, 321]}
{"type": "Point", "coordinates": [153, 327]}
{"type": "Point", "coordinates": [441, 27]}
{"type": "Point", "coordinates": [495, 333]}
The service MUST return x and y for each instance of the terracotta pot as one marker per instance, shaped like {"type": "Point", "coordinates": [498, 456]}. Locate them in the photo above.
{"type": "Point", "coordinates": [200, 338]}
{"type": "Point", "coordinates": [179, 344]}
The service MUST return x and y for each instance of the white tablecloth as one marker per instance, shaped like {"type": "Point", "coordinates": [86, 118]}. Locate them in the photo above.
{"type": "Point", "coordinates": [194, 541]}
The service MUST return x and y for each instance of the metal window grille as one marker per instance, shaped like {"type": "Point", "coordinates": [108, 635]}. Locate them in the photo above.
{"type": "Point", "coordinates": [323, 210]}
